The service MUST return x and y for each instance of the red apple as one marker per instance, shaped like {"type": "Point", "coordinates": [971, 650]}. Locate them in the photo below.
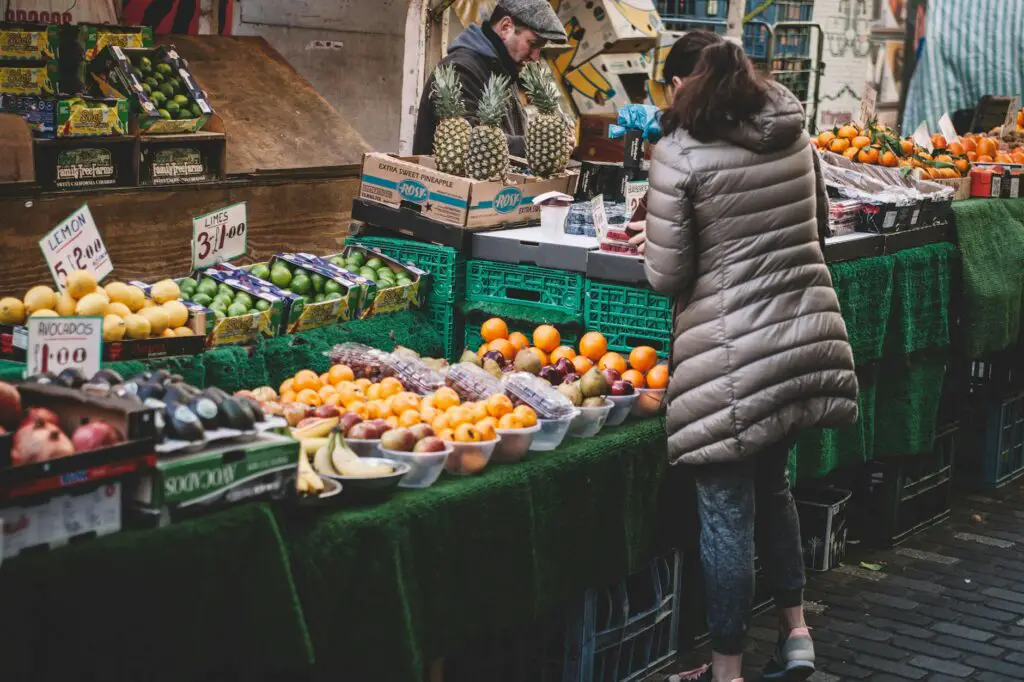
{"type": "Point", "coordinates": [326, 411]}
{"type": "Point", "coordinates": [611, 375]}
{"type": "Point", "coordinates": [348, 420]}
{"type": "Point", "coordinates": [94, 435]}
{"type": "Point", "coordinates": [621, 387]}
{"type": "Point", "coordinates": [361, 431]}
{"type": "Point", "coordinates": [430, 444]}
{"type": "Point", "coordinates": [421, 431]}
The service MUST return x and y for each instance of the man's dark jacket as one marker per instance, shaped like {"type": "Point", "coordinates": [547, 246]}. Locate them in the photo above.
{"type": "Point", "coordinates": [476, 54]}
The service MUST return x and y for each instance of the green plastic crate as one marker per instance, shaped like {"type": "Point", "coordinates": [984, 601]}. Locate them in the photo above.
{"type": "Point", "coordinates": [447, 266]}
{"type": "Point", "coordinates": [541, 288]}
{"type": "Point", "coordinates": [447, 320]}
{"type": "Point", "coordinates": [629, 316]}
{"type": "Point", "coordinates": [570, 334]}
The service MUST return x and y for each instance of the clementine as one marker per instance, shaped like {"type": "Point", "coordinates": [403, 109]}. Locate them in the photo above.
{"type": "Point", "coordinates": [518, 340]}
{"type": "Point", "coordinates": [287, 386]}
{"type": "Point", "coordinates": [634, 377]}
{"type": "Point", "coordinates": [839, 145]}
{"type": "Point", "coordinates": [503, 346]}
{"type": "Point", "coordinates": [643, 358]}
{"type": "Point", "coordinates": [493, 329]}
{"type": "Point", "coordinates": [861, 141]}
{"type": "Point", "coordinates": [582, 364]}
{"type": "Point", "coordinates": [309, 396]}
{"type": "Point", "coordinates": [562, 352]}
{"type": "Point", "coordinates": [658, 377]}
{"type": "Point", "coordinates": [546, 338]}
{"type": "Point", "coordinates": [612, 361]}
{"type": "Point", "coordinates": [593, 345]}
{"type": "Point", "coordinates": [338, 373]}
{"type": "Point", "coordinates": [306, 378]}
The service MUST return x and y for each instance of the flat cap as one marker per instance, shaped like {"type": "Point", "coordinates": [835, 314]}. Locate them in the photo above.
{"type": "Point", "coordinates": [537, 15]}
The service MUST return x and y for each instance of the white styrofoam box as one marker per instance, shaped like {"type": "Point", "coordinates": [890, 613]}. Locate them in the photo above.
{"type": "Point", "coordinates": [60, 518]}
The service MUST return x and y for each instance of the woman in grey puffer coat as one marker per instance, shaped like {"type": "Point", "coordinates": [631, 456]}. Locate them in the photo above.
{"type": "Point", "coordinates": [759, 349]}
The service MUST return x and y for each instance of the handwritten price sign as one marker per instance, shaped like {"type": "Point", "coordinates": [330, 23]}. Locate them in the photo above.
{"type": "Point", "coordinates": [75, 244]}
{"type": "Point", "coordinates": [219, 236]}
{"type": "Point", "coordinates": [57, 343]}
{"type": "Point", "coordinates": [599, 216]}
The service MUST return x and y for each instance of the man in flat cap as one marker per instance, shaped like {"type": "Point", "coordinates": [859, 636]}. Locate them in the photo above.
{"type": "Point", "coordinates": [512, 36]}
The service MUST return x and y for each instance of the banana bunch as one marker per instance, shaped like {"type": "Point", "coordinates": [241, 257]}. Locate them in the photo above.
{"type": "Point", "coordinates": [308, 483]}
{"type": "Point", "coordinates": [336, 458]}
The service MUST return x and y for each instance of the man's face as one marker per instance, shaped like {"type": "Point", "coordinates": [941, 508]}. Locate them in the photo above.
{"type": "Point", "coordinates": [522, 44]}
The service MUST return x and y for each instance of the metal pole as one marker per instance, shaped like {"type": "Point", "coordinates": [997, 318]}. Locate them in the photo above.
{"type": "Point", "coordinates": [734, 21]}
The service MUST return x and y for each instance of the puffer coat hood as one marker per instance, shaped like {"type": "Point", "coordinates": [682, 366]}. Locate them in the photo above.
{"type": "Point", "coordinates": [759, 347]}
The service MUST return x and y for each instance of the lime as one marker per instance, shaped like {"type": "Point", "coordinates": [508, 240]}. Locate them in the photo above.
{"type": "Point", "coordinates": [237, 310]}
{"type": "Point", "coordinates": [176, 82]}
{"type": "Point", "coordinates": [219, 315]}
{"type": "Point", "coordinates": [368, 273]}
{"type": "Point", "coordinates": [333, 296]}
{"type": "Point", "coordinates": [138, 73]}
{"type": "Point", "coordinates": [318, 282]}
{"type": "Point", "coordinates": [339, 261]}
{"type": "Point", "coordinates": [225, 289]}
{"type": "Point", "coordinates": [260, 271]}
{"type": "Point", "coordinates": [357, 257]}
{"type": "Point", "coordinates": [197, 111]}
{"type": "Point", "coordinates": [262, 305]}
{"type": "Point", "coordinates": [172, 106]}
{"type": "Point", "coordinates": [332, 287]}
{"type": "Point", "coordinates": [181, 100]}
{"type": "Point", "coordinates": [167, 89]}
{"type": "Point", "coordinates": [183, 114]}
{"type": "Point", "coordinates": [202, 299]}
{"type": "Point", "coordinates": [319, 298]}
{"type": "Point", "coordinates": [280, 276]}
{"type": "Point", "coordinates": [243, 298]}
{"type": "Point", "coordinates": [301, 284]}
{"type": "Point", "coordinates": [252, 311]}
{"type": "Point", "coordinates": [385, 272]}
{"type": "Point", "coordinates": [157, 97]}
{"type": "Point", "coordinates": [225, 300]}
{"type": "Point", "coordinates": [158, 77]}
{"type": "Point", "coordinates": [188, 283]}
{"type": "Point", "coordinates": [145, 63]}
{"type": "Point", "coordinates": [218, 305]}
{"type": "Point", "coordinates": [207, 287]}
{"type": "Point", "coordinates": [151, 82]}
{"type": "Point", "coordinates": [375, 263]}
{"type": "Point", "coordinates": [164, 114]}
{"type": "Point", "coordinates": [164, 68]}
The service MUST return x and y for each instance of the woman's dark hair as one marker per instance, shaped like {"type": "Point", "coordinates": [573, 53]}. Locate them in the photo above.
{"type": "Point", "coordinates": [685, 53]}
{"type": "Point", "coordinates": [722, 92]}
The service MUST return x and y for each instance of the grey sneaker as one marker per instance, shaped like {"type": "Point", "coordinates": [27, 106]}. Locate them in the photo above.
{"type": "Point", "coordinates": [794, 658]}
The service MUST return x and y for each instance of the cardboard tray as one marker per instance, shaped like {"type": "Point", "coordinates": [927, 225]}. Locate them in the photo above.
{"type": "Point", "coordinates": [532, 246]}
{"type": "Point", "coordinates": [409, 224]}
{"type": "Point", "coordinates": [613, 267]}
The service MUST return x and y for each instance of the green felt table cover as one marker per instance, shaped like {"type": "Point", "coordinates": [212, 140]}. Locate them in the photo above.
{"type": "Point", "coordinates": [386, 589]}
{"type": "Point", "coordinates": [206, 599]}
{"type": "Point", "coordinates": [991, 237]}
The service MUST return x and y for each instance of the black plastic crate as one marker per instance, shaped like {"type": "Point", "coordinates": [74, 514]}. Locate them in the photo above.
{"type": "Point", "coordinates": [992, 453]}
{"type": "Point", "coordinates": [996, 375]}
{"type": "Point", "coordinates": [823, 525]}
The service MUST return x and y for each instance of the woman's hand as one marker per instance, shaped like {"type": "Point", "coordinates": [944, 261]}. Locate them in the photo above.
{"type": "Point", "coordinates": [640, 239]}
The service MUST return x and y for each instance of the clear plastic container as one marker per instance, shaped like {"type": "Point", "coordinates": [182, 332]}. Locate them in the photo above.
{"type": "Point", "coordinates": [621, 406]}
{"type": "Point", "coordinates": [364, 361]}
{"type": "Point", "coordinates": [514, 444]}
{"type": "Point", "coordinates": [424, 467]}
{"type": "Point", "coordinates": [412, 372]}
{"type": "Point", "coordinates": [552, 432]}
{"type": "Point", "coordinates": [467, 459]}
{"type": "Point", "coordinates": [365, 448]}
{"type": "Point", "coordinates": [590, 421]}
{"type": "Point", "coordinates": [650, 402]}
{"type": "Point", "coordinates": [538, 394]}
{"type": "Point", "coordinates": [472, 383]}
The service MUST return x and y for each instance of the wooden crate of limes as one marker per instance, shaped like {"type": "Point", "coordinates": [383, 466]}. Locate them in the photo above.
{"type": "Point", "coordinates": [236, 316]}
{"type": "Point", "coordinates": [399, 286]}
{"type": "Point", "coordinates": [326, 295]}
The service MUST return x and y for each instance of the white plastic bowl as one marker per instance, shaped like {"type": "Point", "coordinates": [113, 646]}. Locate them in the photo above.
{"type": "Point", "coordinates": [424, 467]}
{"type": "Point", "coordinates": [552, 432]}
{"type": "Point", "coordinates": [621, 406]}
{"type": "Point", "coordinates": [650, 402]}
{"type": "Point", "coordinates": [365, 448]}
{"type": "Point", "coordinates": [590, 421]}
{"type": "Point", "coordinates": [467, 459]}
{"type": "Point", "coordinates": [514, 444]}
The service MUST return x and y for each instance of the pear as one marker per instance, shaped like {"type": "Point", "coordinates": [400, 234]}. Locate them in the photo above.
{"type": "Point", "coordinates": [572, 392]}
{"type": "Point", "coordinates": [492, 368]}
{"type": "Point", "coordinates": [527, 361]}
{"type": "Point", "coordinates": [593, 384]}
{"type": "Point", "coordinates": [470, 357]}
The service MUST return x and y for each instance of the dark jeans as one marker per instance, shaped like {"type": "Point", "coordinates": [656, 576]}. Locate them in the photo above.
{"type": "Point", "coordinates": [726, 495]}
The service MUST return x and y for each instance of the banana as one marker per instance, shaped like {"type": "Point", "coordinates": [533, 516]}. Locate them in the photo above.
{"type": "Point", "coordinates": [341, 454]}
{"type": "Point", "coordinates": [309, 446]}
{"type": "Point", "coordinates": [318, 429]}
{"type": "Point", "coordinates": [322, 459]}
{"type": "Point", "coordinates": [308, 482]}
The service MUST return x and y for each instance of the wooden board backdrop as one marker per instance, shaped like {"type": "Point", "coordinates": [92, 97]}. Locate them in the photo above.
{"type": "Point", "coordinates": [149, 232]}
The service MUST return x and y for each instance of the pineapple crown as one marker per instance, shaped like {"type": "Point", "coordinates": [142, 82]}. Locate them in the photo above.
{"type": "Point", "coordinates": [447, 93]}
{"type": "Point", "coordinates": [491, 109]}
{"type": "Point", "coordinates": [541, 90]}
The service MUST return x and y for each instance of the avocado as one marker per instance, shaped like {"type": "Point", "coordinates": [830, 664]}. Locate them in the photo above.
{"type": "Point", "coordinates": [108, 376]}
{"type": "Point", "coordinates": [182, 423]}
{"type": "Point", "coordinates": [72, 377]}
{"type": "Point", "coordinates": [215, 394]}
{"type": "Point", "coordinates": [150, 389]}
{"type": "Point", "coordinates": [43, 378]}
{"type": "Point", "coordinates": [206, 410]}
{"type": "Point", "coordinates": [234, 416]}
{"type": "Point", "coordinates": [255, 409]}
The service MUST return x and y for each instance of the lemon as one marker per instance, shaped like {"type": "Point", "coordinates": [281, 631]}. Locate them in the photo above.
{"type": "Point", "coordinates": [92, 305]}
{"type": "Point", "coordinates": [168, 333]}
{"type": "Point", "coordinates": [184, 331]}
{"type": "Point", "coordinates": [119, 309]}
{"type": "Point", "coordinates": [45, 312]}
{"type": "Point", "coordinates": [114, 328]}
{"type": "Point", "coordinates": [177, 313]}
{"type": "Point", "coordinates": [12, 311]}
{"type": "Point", "coordinates": [165, 290]}
{"type": "Point", "coordinates": [66, 305]}
{"type": "Point", "coordinates": [39, 298]}
{"type": "Point", "coordinates": [80, 283]}
{"type": "Point", "coordinates": [118, 292]}
{"type": "Point", "coordinates": [158, 319]}
{"type": "Point", "coordinates": [136, 298]}
{"type": "Point", "coordinates": [136, 327]}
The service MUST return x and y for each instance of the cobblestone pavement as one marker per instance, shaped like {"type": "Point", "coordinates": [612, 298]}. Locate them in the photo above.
{"type": "Point", "coordinates": [946, 605]}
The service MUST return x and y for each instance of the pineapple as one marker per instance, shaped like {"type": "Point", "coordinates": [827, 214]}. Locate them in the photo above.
{"type": "Point", "coordinates": [487, 153]}
{"type": "Point", "coordinates": [547, 149]}
{"type": "Point", "coordinates": [451, 138]}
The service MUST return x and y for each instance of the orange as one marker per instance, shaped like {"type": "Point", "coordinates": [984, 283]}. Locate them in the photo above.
{"type": "Point", "coordinates": [612, 361]}
{"type": "Point", "coordinates": [486, 428]}
{"type": "Point", "coordinates": [309, 396]}
{"type": "Point", "coordinates": [956, 149]}
{"type": "Point", "coordinates": [582, 364]}
{"type": "Point", "coordinates": [445, 397]}
{"type": "Point", "coordinates": [376, 410]}
{"type": "Point", "coordinates": [447, 435]}
{"type": "Point", "coordinates": [503, 346]}
{"type": "Point", "coordinates": [987, 147]}
{"type": "Point", "coordinates": [510, 421]}
{"type": "Point", "coordinates": [938, 141]}
{"type": "Point", "coordinates": [541, 355]}
{"type": "Point", "coordinates": [889, 159]}
{"type": "Point", "coordinates": [408, 418]}
{"type": "Point", "coordinates": [658, 377]}
{"type": "Point", "coordinates": [359, 409]}
{"type": "Point", "coordinates": [825, 137]}
{"type": "Point", "coordinates": [481, 350]}
{"type": "Point", "coordinates": [499, 405]}
{"type": "Point", "coordinates": [1018, 157]}
{"type": "Point", "coordinates": [459, 415]}
{"type": "Point", "coordinates": [634, 377]}
{"type": "Point", "coordinates": [288, 397]}
{"type": "Point", "coordinates": [373, 392]}
{"type": "Point", "coordinates": [477, 411]}
{"type": "Point", "coordinates": [350, 399]}
{"type": "Point", "coordinates": [428, 414]}
{"type": "Point", "coordinates": [440, 423]}
{"type": "Point", "coordinates": [390, 386]}
{"type": "Point", "coordinates": [907, 147]}
{"type": "Point", "coordinates": [494, 329]}
{"type": "Point", "coordinates": [363, 383]}
{"type": "Point", "coordinates": [969, 144]}
{"type": "Point", "coordinates": [562, 352]}
{"type": "Point", "coordinates": [325, 392]}
{"type": "Point", "coordinates": [287, 386]}
{"type": "Point", "coordinates": [526, 415]}
{"type": "Point", "coordinates": [392, 422]}
{"type": "Point", "coordinates": [518, 340]}
{"type": "Point", "coordinates": [546, 338]}
{"type": "Point", "coordinates": [851, 153]}
{"type": "Point", "coordinates": [983, 158]}
{"type": "Point", "coordinates": [868, 155]}
{"type": "Point", "coordinates": [593, 345]}
{"type": "Point", "coordinates": [839, 145]}
{"type": "Point", "coordinates": [324, 380]}
{"type": "Point", "coordinates": [972, 156]}
{"type": "Point", "coordinates": [467, 433]}
{"type": "Point", "coordinates": [338, 373]}
{"type": "Point", "coordinates": [849, 132]}
{"type": "Point", "coordinates": [861, 141]}
{"type": "Point", "coordinates": [405, 401]}
{"type": "Point", "coordinates": [333, 399]}
{"type": "Point", "coordinates": [643, 358]}
{"type": "Point", "coordinates": [306, 378]}
{"type": "Point", "coordinates": [1003, 157]}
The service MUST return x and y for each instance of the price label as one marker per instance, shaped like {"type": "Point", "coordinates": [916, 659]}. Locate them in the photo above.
{"type": "Point", "coordinates": [947, 129]}
{"type": "Point", "coordinates": [921, 137]}
{"type": "Point", "coordinates": [635, 191]}
{"type": "Point", "coordinates": [867, 103]}
{"type": "Point", "coordinates": [75, 244]}
{"type": "Point", "coordinates": [219, 236]}
{"type": "Point", "coordinates": [57, 343]}
{"type": "Point", "coordinates": [599, 216]}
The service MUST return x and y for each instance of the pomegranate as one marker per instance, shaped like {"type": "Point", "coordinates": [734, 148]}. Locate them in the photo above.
{"type": "Point", "coordinates": [94, 435]}
{"type": "Point", "coordinates": [10, 405]}
{"type": "Point", "coordinates": [39, 441]}
{"type": "Point", "coordinates": [36, 413]}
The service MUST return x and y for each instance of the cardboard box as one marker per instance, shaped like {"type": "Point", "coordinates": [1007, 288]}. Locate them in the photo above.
{"type": "Point", "coordinates": [246, 329]}
{"type": "Point", "coordinates": [91, 39]}
{"type": "Point", "coordinates": [609, 82]}
{"type": "Point", "coordinates": [603, 26]}
{"type": "Point", "coordinates": [353, 290]}
{"type": "Point", "coordinates": [29, 77]}
{"type": "Point", "coordinates": [80, 163]}
{"type": "Point", "coordinates": [30, 42]}
{"type": "Point", "coordinates": [58, 520]}
{"type": "Point", "coordinates": [219, 476]}
{"type": "Point", "coordinates": [182, 159]}
{"type": "Point", "coordinates": [392, 299]}
{"type": "Point", "coordinates": [660, 52]}
{"type": "Point", "coordinates": [413, 183]}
